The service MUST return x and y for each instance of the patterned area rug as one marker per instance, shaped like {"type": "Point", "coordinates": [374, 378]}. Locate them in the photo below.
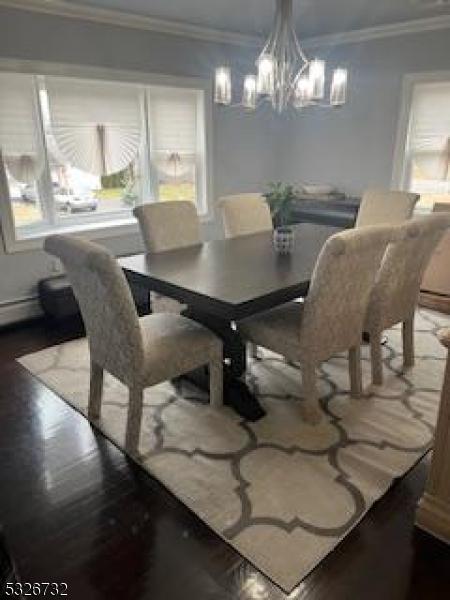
{"type": "Point", "coordinates": [281, 492]}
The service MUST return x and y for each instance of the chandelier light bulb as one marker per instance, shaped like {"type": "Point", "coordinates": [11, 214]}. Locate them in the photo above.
{"type": "Point", "coordinates": [266, 74]}
{"type": "Point", "coordinates": [317, 78]}
{"type": "Point", "coordinates": [222, 88]}
{"type": "Point", "coordinates": [250, 94]}
{"type": "Point", "coordinates": [303, 92]}
{"type": "Point", "coordinates": [338, 94]}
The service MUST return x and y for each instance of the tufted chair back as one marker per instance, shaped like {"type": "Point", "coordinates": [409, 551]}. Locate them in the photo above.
{"type": "Point", "coordinates": [341, 284]}
{"type": "Point", "coordinates": [168, 225]}
{"type": "Point", "coordinates": [394, 297]}
{"type": "Point", "coordinates": [106, 305]}
{"type": "Point", "coordinates": [383, 207]}
{"type": "Point", "coordinates": [244, 214]}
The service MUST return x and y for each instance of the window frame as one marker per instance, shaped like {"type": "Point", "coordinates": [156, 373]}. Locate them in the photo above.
{"type": "Point", "coordinates": [402, 160]}
{"type": "Point", "coordinates": [113, 225]}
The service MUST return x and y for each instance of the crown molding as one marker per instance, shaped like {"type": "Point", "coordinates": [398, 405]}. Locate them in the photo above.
{"type": "Point", "coordinates": [421, 25]}
{"type": "Point", "coordinates": [65, 8]}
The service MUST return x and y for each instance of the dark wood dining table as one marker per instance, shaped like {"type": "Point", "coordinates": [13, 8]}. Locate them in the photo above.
{"type": "Point", "coordinates": [224, 281]}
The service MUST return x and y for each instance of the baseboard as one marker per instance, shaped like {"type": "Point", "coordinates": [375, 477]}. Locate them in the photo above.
{"type": "Point", "coordinates": [20, 310]}
{"type": "Point", "coordinates": [435, 302]}
{"type": "Point", "coordinates": [432, 516]}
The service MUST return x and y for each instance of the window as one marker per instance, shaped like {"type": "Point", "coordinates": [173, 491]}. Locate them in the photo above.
{"type": "Point", "coordinates": [21, 147]}
{"type": "Point", "coordinates": [81, 153]}
{"type": "Point", "coordinates": [427, 156]}
{"type": "Point", "coordinates": [173, 121]}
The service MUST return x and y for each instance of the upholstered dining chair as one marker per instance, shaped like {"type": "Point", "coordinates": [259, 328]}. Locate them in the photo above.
{"type": "Point", "coordinates": [138, 352]}
{"type": "Point", "coordinates": [383, 207]}
{"type": "Point", "coordinates": [167, 226]}
{"type": "Point", "coordinates": [331, 318]}
{"type": "Point", "coordinates": [395, 294]}
{"type": "Point", "coordinates": [244, 214]}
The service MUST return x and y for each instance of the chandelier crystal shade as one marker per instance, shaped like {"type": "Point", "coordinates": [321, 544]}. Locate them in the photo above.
{"type": "Point", "coordinates": [285, 76]}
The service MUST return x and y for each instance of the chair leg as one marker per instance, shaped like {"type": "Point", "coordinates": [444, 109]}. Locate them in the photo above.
{"type": "Point", "coordinates": [95, 392]}
{"type": "Point", "coordinates": [354, 364]}
{"type": "Point", "coordinates": [408, 342]}
{"type": "Point", "coordinates": [311, 411]}
{"type": "Point", "coordinates": [136, 398]}
{"type": "Point", "coordinates": [216, 382]}
{"type": "Point", "coordinates": [376, 358]}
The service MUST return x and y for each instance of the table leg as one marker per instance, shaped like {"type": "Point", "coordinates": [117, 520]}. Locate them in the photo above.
{"type": "Point", "coordinates": [237, 395]}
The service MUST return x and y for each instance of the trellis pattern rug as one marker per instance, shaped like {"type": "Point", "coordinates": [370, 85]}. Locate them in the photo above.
{"type": "Point", "coordinates": [283, 493]}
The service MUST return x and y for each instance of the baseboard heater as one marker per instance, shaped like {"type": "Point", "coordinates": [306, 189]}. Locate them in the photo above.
{"type": "Point", "coordinates": [23, 309]}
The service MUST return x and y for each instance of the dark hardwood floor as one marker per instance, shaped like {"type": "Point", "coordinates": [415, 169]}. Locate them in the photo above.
{"type": "Point", "coordinates": [75, 509]}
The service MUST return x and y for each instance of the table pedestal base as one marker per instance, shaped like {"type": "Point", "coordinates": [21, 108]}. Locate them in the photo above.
{"type": "Point", "coordinates": [236, 393]}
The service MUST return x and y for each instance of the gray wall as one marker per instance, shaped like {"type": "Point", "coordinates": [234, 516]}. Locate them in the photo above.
{"type": "Point", "coordinates": [242, 154]}
{"type": "Point", "coordinates": [353, 147]}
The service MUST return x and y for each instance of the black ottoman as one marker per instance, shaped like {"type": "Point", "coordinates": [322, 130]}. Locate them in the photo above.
{"type": "Point", "coordinates": [58, 301]}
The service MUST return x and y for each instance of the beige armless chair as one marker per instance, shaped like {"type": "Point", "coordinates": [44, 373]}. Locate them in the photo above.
{"type": "Point", "coordinates": [332, 316]}
{"type": "Point", "coordinates": [244, 214]}
{"type": "Point", "coordinates": [138, 352]}
{"type": "Point", "coordinates": [396, 291]}
{"type": "Point", "coordinates": [382, 207]}
{"type": "Point", "coordinates": [168, 226]}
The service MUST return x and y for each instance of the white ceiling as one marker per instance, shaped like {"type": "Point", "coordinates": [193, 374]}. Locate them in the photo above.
{"type": "Point", "coordinates": [313, 17]}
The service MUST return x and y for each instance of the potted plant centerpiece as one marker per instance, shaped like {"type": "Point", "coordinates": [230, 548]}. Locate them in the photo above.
{"type": "Point", "coordinates": [280, 199]}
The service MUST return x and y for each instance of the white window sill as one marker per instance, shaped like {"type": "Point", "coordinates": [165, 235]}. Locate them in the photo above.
{"type": "Point", "coordinates": [88, 231]}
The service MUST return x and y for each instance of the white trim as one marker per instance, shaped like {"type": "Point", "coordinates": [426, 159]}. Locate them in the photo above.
{"type": "Point", "coordinates": [64, 8]}
{"type": "Point", "coordinates": [23, 309]}
{"type": "Point", "coordinates": [400, 170]}
{"type": "Point", "coordinates": [132, 20]}
{"type": "Point", "coordinates": [37, 67]}
{"type": "Point", "coordinates": [380, 31]}
{"type": "Point", "coordinates": [94, 231]}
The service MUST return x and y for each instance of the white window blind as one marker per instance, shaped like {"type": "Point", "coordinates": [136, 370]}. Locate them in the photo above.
{"type": "Point", "coordinates": [97, 126]}
{"type": "Point", "coordinates": [429, 137]}
{"type": "Point", "coordinates": [173, 129]}
{"type": "Point", "coordinates": [19, 130]}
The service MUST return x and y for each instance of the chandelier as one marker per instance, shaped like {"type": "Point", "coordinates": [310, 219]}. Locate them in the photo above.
{"type": "Point", "coordinates": [285, 76]}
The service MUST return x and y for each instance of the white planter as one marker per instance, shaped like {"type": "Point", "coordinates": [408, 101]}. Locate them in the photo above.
{"type": "Point", "coordinates": [283, 240]}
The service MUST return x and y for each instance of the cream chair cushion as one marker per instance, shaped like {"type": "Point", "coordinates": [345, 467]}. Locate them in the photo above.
{"type": "Point", "coordinates": [174, 344]}
{"type": "Point", "coordinates": [244, 214]}
{"type": "Point", "coordinates": [382, 207]}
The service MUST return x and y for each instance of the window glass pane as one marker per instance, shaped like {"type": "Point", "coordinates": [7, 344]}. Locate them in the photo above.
{"type": "Point", "coordinates": [81, 193]}
{"type": "Point", "coordinates": [21, 146]}
{"type": "Point", "coordinates": [25, 202]}
{"type": "Point", "coordinates": [176, 179]}
{"type": "Point", "coordinates": [173, 131]}
{"type": "Point", "coordinates": [429, 143]}
{"type": "Point", "coordinates": [431, 190]}
{"type": "Point", "coordinates": [94, 138]}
